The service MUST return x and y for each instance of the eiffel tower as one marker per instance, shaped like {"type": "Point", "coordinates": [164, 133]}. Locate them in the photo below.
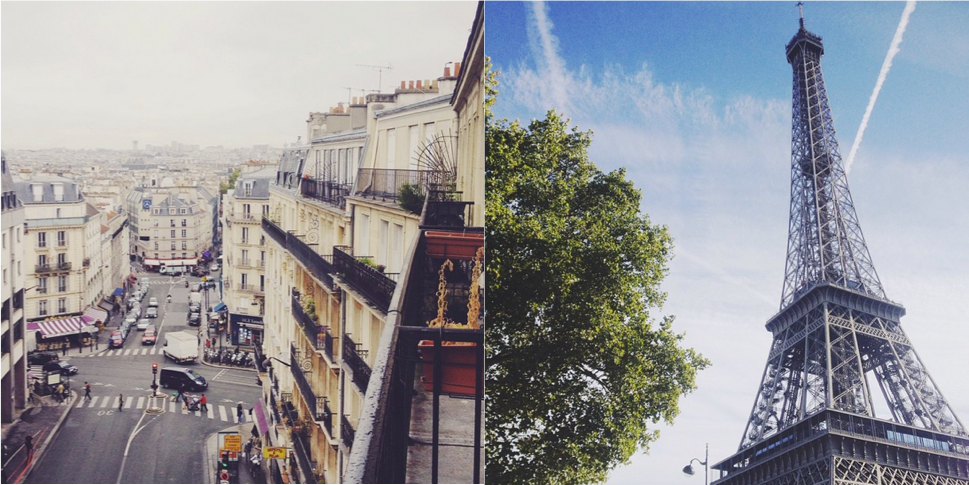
{"type": "Point", "coordinates": [837, 340]}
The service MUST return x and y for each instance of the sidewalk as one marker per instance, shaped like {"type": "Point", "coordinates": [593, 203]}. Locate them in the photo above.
{"type": "Point", "coordinates": [212, 456]}
{"type": "Point", "coordinates": [41, 421]}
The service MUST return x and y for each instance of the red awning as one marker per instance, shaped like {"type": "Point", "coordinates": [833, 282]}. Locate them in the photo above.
{"type": "Point", "coordinates": [58, 328]}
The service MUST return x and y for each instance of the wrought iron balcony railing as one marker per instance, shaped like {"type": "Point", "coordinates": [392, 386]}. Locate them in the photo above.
{"type": "Point", "coordinates": [375, 286]}
{"type": "Point", "coordinates": [314, 262]}
{"type": "Point", "coordinates": [300, 446]}
{"type": "Point", "coordinates": [313, 402]}
{"type": "Point", "coordinates": [318, 335]}
{"type": "Point", "coordinates": [352, 356]}
{"type": "Point", "coordinates": [330, 192]}
{"type": "Point", "coordinates": [385, 183]}
{"type": "Point", "coordinates": [346, 431]}
{"type": "Point", "coordinates": [53, 268]}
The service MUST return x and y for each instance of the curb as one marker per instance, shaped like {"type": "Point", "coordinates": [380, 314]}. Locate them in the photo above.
{"type": "Point", "coordinates": [39, 452]}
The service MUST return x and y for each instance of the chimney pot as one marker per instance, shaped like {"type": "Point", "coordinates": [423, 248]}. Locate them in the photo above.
{"type": "Point", "coordinates": [418, 84]}
{"type": "Point", "coordinates": [403, 85]}
{"type": "Point", "coordinates": [447, 71]}
{"type": "Point", "coordinates": [457, 69]}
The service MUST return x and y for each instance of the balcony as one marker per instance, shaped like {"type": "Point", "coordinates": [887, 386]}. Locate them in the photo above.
{"type": "Point", "coordinates": [301, 447]}
{"type": "Point", "coordinates": [385, 183]}
{"type": "Point", "coordinates": [313, 261]}
{"type": "Point", "coordinates": [318, 335]}
{"type": "Point", "coordinates": [87, 262]}
{"type": "Point", "coordinates": [325, 191]}
{"type": "Point", "coordinates": [318, 405]}
{"type": "Point", "coordinates": [53, 268]}
{"type": "Point", "coordinates": [346, 431]}
{"type": "Point", "coordinates": [375, 286]}
{"type": "Point", "coordinates": [353, 358]}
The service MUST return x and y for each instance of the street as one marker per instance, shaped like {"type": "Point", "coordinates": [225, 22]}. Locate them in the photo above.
{"type": "Point", "coordinates": [148, 440]}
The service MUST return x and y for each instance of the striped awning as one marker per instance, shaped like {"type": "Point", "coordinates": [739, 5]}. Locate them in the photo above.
{"type": "Point", "coordinates": [58, 328]}
{"type": "Point", "coordinates": [92, 315]}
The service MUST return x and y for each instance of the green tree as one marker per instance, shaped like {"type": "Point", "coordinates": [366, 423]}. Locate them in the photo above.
{"type": "Point", "coordinates": [225, 186]}
{"type": "Point", "coordinates": [577, 368]}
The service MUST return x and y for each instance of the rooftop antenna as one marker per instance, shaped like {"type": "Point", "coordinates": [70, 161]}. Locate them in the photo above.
{"type": "Point", "coordinates": [800, 9]}
{"type": "Point", "coordinates": [380, 70]}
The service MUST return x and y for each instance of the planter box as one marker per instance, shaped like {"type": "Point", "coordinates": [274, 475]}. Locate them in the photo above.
{"type": "Point", "coordinates": [457, 369]}
{"type": "Point", "coordinates": [453, 245]}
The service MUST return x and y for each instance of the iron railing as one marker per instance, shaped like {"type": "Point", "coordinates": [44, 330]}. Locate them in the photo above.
{"type": "Point", "coordinates": [346, 431]}
{"type": "Point", "coordinates": [314, 402]}
{"type": "Point", "coordinates": [351, 355]}
{"type": "Point", "coordinates": [301, 447]}
{"type": "Point", "coordinates": [327, 191]}
{"type": "Point", "coordinates": [385, 183]}
{"type": "Point", "coordinates": [375, 286]}
{"type": "Point", "coordinates": [318, 335]}
{"type": "Point", "coordinates": [316, 263]}
{"type": "Point", "coordinates": [51, 268]}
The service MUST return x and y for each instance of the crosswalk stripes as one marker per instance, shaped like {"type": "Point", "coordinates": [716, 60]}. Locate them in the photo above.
{"type": "Point", "coordinates": [111, 402]}
{"type": "Point", "coordinates": [141, 401]}
{"type": "Point", "coordinates": [222, 413]}
{"type": "Point", "coordinates": [104, 403]}
{"type": "Point", "coordinates": [209, 411]}
{"type": "Point", "coordinates": [129, 402]}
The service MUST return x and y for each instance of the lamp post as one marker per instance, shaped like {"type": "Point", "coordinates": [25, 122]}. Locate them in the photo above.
{"type": "Point", "coordinates": [689, 471]}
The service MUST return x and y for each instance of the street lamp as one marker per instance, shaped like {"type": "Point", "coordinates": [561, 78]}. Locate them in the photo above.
{"type": "Point", "coordinates": [689, 471]}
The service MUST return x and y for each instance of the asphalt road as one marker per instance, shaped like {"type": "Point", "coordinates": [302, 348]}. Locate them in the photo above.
{"type": "Point", "coordinates": [100, 444]}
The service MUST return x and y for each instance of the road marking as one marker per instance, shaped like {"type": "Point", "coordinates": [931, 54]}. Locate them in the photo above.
{"type": "Point", "coordinates": [81, 402]}
{"type": "Point", "coordinates": [198, 413]}
{"type": "Point", "coordinates": [129, 403]}
{"type": "Point", "coordinates": [222, 413]}
{"type": "Point", "coordinates": [104, 402]}
{"type": "Point", "coordinates": [210, 412]}
{"type": "Point", "coordinates": [171, 407]}
{"type": "Point", "coordinates": [94, 401]}
{"type": "Point", "coordinates": [141, 402]}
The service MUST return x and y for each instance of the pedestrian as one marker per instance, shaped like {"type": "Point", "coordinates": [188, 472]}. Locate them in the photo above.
{"type": "Point", "coordinates": [181, 397]}
{"type": "Point", "coordinates": [248, 447]}
{"type": "Point", "coordinates": [239, 412]}
{"type": "Point", "coordinates": [87, 391]}
{"type": "Point", "coordinates": [64, 348]}
{"type": "Point", "coordinates": [120, 401]}
{"type": "Point", "coordinates": [60, 392]}
{"type": "Point", "coordinates": [206, 343]}
{"type": "Point", "coordinates": [205, 406]}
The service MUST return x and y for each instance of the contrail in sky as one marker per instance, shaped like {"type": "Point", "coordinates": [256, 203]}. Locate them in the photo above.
{"type": "Point", "coordinates": [548, 45]}
{"type": "Point", "coordinates": [892, 50]}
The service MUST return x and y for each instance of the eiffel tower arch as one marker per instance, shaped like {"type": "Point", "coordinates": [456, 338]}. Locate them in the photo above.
{"type": "Point", "coordinates": [837, 340]}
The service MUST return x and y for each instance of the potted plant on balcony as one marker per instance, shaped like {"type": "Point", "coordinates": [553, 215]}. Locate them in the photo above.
{"type": "Point", "coordinates": [458, 372]}
{"type": "Point", "coordinates": [453, 245]}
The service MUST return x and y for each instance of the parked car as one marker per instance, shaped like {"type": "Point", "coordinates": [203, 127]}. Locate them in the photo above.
{"type": "Point", "coordinates": [143, 324]}
{"type": "Point", "coordinates": [208, 284]}
{"type": "Point", "coordinates": [150, 336]}
{"type": "Point", "coordinates": [152, 302]}
{"type": "Point", "coordinates": [194, 307]}
{"type": "Point", "coordinates": [38, 357]}
{"type": "Point", "coordinates": [194, 319]}
{"type": "Point", "coordinates": [131, 321]}
{"type": "Point", "coordinates": [152, 312]}
{"type": "Point", "coordinates": [215, 267]}
{"type": "Point", "coordinates": [117, 339]}
{"type": "Point", "coordinates": [56, 366]}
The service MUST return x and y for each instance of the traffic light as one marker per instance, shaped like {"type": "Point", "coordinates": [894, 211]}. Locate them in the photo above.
{"type": "Point", "coordinates": [154, 367]}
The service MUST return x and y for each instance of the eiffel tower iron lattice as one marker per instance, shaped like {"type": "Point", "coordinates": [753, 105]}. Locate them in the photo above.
{"type": "Point", "coordinates": [836, 335]}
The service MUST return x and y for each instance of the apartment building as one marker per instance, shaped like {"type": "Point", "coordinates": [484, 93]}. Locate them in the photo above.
{"type": "Point", "coordinates": [244, 256]}
{"type": "Point", "coordinates": [171, 225]}
{"type": "Point", "coordinates": [13, 365]}
{"type": "Point", "coordinates": [347, 261]}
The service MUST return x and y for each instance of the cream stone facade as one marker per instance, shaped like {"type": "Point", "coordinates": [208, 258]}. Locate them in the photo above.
{"type": "Point", "coordinates": [171, 226]}
{"type": "Point", "coordinates": [13, 364]}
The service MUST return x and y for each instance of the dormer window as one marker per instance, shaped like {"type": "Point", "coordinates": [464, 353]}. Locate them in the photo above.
{"type": "Point", "coordinates": [58, 192]}
{"type": "Point", "coordinates": [38, 191]}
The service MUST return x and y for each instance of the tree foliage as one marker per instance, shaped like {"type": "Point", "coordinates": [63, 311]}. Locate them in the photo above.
{"type": "Point", "coordinates": [226, 185]}
{"type": "Point", "coordinates": [577, 368]}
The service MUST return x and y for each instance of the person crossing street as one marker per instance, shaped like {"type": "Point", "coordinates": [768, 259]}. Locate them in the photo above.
{"type": "Point", "coordinates": [87, 391]}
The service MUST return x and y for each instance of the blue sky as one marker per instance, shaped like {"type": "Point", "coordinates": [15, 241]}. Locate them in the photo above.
{"type": "Point", "coordinates": [694, 100]}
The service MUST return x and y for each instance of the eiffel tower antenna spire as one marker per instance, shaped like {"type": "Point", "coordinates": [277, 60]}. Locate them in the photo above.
{"type": "Point", "coordinates": [800, 9]}
{"type": "Point", "coordinates": [838, 345]}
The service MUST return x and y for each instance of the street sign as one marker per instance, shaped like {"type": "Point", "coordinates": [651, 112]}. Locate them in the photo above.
{"type": "Point", "coordinates": [233, 443]}
{"type": "Point", "coordinates": [271, 452]}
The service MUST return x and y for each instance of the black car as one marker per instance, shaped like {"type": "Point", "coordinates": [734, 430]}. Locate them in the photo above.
{"type": "Point", "coordinates": [38, 358]}
{"type": "Point", "coordinates": [194, 319]}
{"type": "Point", "coordinates": [60, 367]}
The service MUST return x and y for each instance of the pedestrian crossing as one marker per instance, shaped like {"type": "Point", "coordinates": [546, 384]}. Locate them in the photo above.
{"type": "Point", "coordinates": [153, 350]}
{"type": "Point", "coordinates": [142, 402]}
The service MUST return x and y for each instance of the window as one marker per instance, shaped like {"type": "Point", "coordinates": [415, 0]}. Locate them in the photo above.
{"type": "Point", "coordinates": [246, 211]}
{"type": "Point", "coordinates": [62, 284]}
{"type": "Point", "coordinates": [41, 239]}
{"type": "Point", "coordinates": [245, 235]}
{"type": "Point", "coordinates": [184, 255]}
{"type": "Point", "coordinates": [245, 281]}
{"type": "Point", "coordinates": [245, 257]}
{"type": "Point", "coordinates": [61, 259]}
{"type": "Point", "coordinates": [172, 222]}
{"type": "Point", "coordinates": [396, 248]}
{"type": "Point", "coordinates": [365, 233]}
{"type": "Point", "coordinates": [414, 132]}
{"type": "Point", "coordinates": [4, 278]}
{"type": "Point", "coordinates": [156, 245]}
{"type": "Point", "coordinates": [173, 234]}
{"type": "Point", "coordinates": [265, 210]}
{"type": "Point", "coordinates": [182, 211]}
{"type": "Point", "coordinates": [262, 283]}
{"type": "Point", "coordinates": [173, 248]}
{"type": "Point", "coordinates": [42, 260]}
{"type": "Point", "coordinates": [62, 305]}
{"type": "Point", "coordinates": [247, 189]}
{"type": "Point", "coordinates": [184, 222]}
{"type": "Point", "coordinates": [42, 308]}
{"type": "Point", "coordinates": [184, 245]}
{"type": "Point", "coordinates": [58, 192]}
{"type": "Point", "coordinates": [62, 238]}
{"type": "Point", "coordinates": [391, 147]}
{"type": "Point", "coordinates": [184, 232]}
{"type": "Point", "coordinates": [42, 285]}
{"type": "Point", "coordinates": [384, 242]}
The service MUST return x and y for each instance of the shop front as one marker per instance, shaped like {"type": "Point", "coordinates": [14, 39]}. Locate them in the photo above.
{"type": "Point", "coordinates": [245, 330]}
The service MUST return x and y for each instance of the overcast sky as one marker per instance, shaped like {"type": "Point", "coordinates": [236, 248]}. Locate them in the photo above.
{"type": "Point", "coordinates": [694, 100]}
{"type": "Point", "coordinates": [102, 74]}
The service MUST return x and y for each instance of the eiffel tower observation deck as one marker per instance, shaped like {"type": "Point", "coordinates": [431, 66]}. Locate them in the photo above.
{"type": "Point", "coordinates": [838, 346]}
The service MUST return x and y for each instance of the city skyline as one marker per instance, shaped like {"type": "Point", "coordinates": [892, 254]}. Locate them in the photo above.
{"type": "Point", "coordinates": [235, 74]}
{"type": "Point", "coordinates": [694, 101]}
